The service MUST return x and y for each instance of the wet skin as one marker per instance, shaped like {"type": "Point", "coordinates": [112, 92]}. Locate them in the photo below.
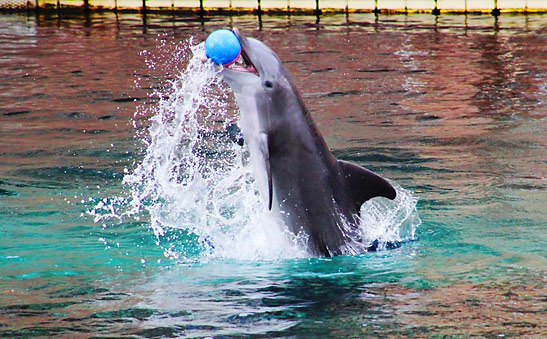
{"type": "Point", "coordinates": [302, 183]}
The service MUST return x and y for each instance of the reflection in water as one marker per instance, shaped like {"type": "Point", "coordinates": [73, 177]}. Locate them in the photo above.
{"type": "Point", "coordinates": [451, 107]}
{"type": "Point", "coordinates": [273, 299]}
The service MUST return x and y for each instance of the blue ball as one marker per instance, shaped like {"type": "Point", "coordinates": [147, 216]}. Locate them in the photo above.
{"type": "Point", "coordinates": [222, 47]}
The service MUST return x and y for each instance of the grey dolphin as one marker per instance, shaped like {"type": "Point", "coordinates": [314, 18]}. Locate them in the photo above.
{"type": "Point", "coordinates": [301, 181]}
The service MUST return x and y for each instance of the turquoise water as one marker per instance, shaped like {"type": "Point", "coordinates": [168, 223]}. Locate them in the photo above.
{"type": "Point", "coordinates": [452, 109]}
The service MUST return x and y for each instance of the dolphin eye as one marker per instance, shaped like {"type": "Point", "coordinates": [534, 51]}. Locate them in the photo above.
{"type": "Point", "coordinates": [268, 84]}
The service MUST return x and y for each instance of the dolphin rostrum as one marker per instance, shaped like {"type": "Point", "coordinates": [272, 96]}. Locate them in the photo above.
{"type": "Point", "coordinates": [314, 194]}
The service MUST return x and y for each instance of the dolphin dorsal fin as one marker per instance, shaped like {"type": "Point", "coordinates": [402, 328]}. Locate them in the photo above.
{"type": "Point", "coordinates": [364, 184]}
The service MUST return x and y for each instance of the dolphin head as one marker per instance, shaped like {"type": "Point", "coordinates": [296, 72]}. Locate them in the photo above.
{"type": "Point", "coordinates": [258, 69]}
{"type": "Point", "coordinates": [267, 100]}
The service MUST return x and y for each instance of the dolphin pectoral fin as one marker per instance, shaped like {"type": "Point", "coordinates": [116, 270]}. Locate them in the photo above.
{"type": "Point", "coordinates": [266, 158]}
{"type": "Point", "coordinates": [364, 184]}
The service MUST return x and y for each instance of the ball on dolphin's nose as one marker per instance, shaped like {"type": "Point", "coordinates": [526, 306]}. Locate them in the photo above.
{"type": "Point", "coordinates": [222, 47]}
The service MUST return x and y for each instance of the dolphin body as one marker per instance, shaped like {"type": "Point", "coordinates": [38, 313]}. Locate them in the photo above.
{"type": "Point", "coordinates": [314, 194]}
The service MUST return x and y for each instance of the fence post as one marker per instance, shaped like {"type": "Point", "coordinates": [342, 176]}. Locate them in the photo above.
{"type": "Point", "coordinates": [496, 11]}
{"type": "Point", "coordinates": [144, 6]}
{"type": "Point", "coordinates": [376, 10]}
{"type": "Point", "coordinates": [317, 10]}
{"type": "Point", "coordinates": [435, 10]}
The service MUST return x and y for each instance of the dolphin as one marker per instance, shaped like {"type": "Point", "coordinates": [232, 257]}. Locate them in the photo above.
{"type": "Point", "coordinates": [314, 194]}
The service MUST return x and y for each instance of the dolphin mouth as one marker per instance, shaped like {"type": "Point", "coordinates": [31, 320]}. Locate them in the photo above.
{"type": "Point", "coordinates": [243, 63]}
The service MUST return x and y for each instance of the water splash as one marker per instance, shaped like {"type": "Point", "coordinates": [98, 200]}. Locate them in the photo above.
{"type": "Point", "coordinates": [383, 224]}
{"type": "Point", "coordinates": [194, 179]}
{"type": "Point", "coordinates": [388, 221]}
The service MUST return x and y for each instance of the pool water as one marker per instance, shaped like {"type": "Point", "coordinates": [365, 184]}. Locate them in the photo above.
{"type": "Point", "coordinates": [452, 109]}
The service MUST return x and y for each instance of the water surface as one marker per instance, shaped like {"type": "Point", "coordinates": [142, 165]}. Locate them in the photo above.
{"type": "Point", "coordinates": [451, 108]}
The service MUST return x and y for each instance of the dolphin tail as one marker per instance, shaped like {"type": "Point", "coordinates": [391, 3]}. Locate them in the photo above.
{"type": "Point", "coordinates": [363, 184]}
